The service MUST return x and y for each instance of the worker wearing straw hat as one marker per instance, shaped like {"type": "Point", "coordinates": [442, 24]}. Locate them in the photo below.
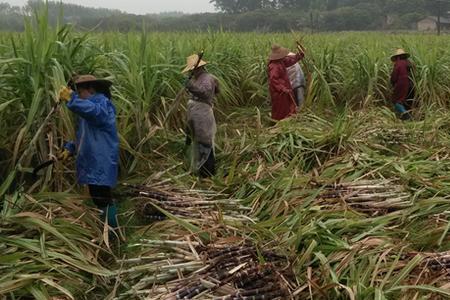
{"type": "Point", "coordinates": [298, 82]}
{"type": "Point", "coordinates": [281, 92]}
{"type": "Point", "coordinates": [97, 144]}
{"type": "Point", "coordinates": [201, 124]}
{"type": "Point", "coordinates": [401, 79]}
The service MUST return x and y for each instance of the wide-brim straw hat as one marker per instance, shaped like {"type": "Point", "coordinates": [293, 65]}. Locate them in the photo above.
{"type": "Point", "coordinates": [191, 63]}
{"type": "Point", "coordinates": [278, 52]}
{"type": "Point", "coordinates": [91, 78]}
{"type": "Point", "coordinates": [400, 52]}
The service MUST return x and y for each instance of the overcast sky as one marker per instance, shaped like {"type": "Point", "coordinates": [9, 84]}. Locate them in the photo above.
{"type": "Point", "coordinates": [140, 6]}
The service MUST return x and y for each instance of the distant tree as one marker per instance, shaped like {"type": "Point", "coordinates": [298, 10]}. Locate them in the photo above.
{"type": "Point", "coordinates": [300, 4]}
{"type": "Point", "coordinates": [359, 17]}
{"type": "Point", "coordinates": [11, 17]}
{"type": "Point", "coordinates": [238, 6]}
{"type": "Point", "coordinates": [438, 8]}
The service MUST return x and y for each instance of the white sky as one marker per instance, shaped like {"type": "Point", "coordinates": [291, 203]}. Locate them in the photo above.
{"type": "Point", "coordinates": [140, 6]}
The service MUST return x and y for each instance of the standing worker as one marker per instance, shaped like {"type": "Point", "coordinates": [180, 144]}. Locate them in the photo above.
{"type": "Point", "coordinates": [97, 143]}
{"type": "Point", "coordinates": [401, 80]}
{"type": "Point", "coordinates": [282, 95]}
{"type": "Point", "coordinates": [201, 124]}
{"type": "Point", "coordinates": [298, 82]}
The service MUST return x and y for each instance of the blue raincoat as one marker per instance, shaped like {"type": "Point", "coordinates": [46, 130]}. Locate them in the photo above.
{"type": "Point", "coordinates": [97, 144]}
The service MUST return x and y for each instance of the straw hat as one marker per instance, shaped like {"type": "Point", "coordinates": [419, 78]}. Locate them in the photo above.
{"type": "Point", "coordinates": [91, 78]}
{"type": "Point", "coordinates": [278, 52]}
{"type": "Point", "coordinates": [399, 52]}
{"type": "Point", "coordinates": [191, 62]}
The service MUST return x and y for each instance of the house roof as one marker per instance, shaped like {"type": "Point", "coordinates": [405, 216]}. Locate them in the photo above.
{"type": "Point", "coordinates": [444, 20]}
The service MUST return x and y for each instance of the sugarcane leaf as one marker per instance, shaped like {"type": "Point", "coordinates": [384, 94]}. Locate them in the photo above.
{"type": "Point", "coordinates": [424, 288]}
{"type": "Point", "coordinates": [307, 254]}
{"type": "Point", "coordinates": [58, 287]}
{"type": "Point", "coordinates": [7, 183]}
{"type": "Point", "coordinates": [11, 258]}
{"type": "Point", "coordinates": [4, 105]}
{"type": "Point", "coordinates": [39, 292]}
{"type": "Point", "coordinates": [37, 220]}
{"type": "Point", "coordinates": [15, 285]}
{"type": "Point", "coordinates": [444, 234]}
{"type": "Point", "coordinates": [406, 270]}
{"type": "Point", "coordinates": [379, 295]}
{"type": "Point", "coordinates": [191, 227]}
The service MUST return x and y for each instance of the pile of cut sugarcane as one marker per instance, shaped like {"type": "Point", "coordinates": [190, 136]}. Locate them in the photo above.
{"type": "Point", "coordinates": [368, 196]}
{"type": "Point", "coordinates": [226, 271]}
{"type": "Point", "coordinates": [437, 262]}
{"type": "Point", "coordinates": [153, 202]}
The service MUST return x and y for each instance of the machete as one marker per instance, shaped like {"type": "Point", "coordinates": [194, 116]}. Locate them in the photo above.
{"type": "Point", "coordinates": [44, 165]}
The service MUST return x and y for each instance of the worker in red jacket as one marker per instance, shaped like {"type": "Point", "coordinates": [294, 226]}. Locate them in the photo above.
{"type": "Point", "coordinates": [401, 80]}
{"type": "Point", "coordinates": [281, 92]}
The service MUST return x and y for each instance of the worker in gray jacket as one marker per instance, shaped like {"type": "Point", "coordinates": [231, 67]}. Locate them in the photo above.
{"type": "Point", "coordinates": [298, 82]}
{"type": "Point", "coordinates": [201, 124]}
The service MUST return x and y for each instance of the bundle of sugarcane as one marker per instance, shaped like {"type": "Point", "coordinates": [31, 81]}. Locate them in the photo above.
{"type": "Point", "coordinates": [437, 261]}
{"type": "Point", "coordinates": [192, 204]}
{"type": "Point", "coordinates": [189, 270]}
{"type": "Point", "coordinates": [370, 196]}
{"type": "Point", "coordinates": [49, 248]}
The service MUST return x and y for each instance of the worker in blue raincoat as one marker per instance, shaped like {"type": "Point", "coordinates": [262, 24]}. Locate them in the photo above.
{"type": "Point", "coordinates": [97, 144]}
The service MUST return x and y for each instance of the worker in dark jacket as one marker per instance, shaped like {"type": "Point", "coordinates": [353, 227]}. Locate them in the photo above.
{"type": "Point", "coordinates": [97, 144]}
{"type": "Point", "coordinates": [401, 80]}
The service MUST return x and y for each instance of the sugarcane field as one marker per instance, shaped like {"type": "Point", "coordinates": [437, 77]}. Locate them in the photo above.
{"type": "Point", "coordinates": [223, 165]}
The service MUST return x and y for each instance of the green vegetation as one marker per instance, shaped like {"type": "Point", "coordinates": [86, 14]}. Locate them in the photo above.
{"type": "Point", "coordinates": [355, 199]}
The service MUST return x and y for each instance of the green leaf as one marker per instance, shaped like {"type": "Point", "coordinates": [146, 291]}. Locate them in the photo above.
{"type": "Point", "coordinates": [4, 105]}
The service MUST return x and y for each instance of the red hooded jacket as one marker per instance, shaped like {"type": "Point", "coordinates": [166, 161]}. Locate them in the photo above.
{"type": "Point", "coordinates": [282, 95]}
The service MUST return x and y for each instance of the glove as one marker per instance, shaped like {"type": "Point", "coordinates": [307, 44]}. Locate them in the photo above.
{"type": "Point", "coordinates": [65, 94]}
{"type": "Point", "coordinates": [63, 155]}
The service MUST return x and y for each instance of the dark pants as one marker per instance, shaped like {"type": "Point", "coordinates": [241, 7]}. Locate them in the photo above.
{"type": "Point", "coordinates": [101, 195]}
{"type": "Point", "coordinates": [209, 167]}
{"type": "Point", "coordinates": [410, 102]}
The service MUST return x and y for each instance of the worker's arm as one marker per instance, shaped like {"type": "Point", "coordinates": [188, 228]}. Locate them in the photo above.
{"type": "Point", "coordinates": [291, 60]}
{"type": "Point", "coordinates": [96, 111]}
{"type": "Point", "coordinates": [394, 75]}
{"type": "Point", "coordinates": [216, 86]}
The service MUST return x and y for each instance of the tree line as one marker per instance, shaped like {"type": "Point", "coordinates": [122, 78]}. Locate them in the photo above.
{"type": "Point", "coordinates": [244, 15]}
